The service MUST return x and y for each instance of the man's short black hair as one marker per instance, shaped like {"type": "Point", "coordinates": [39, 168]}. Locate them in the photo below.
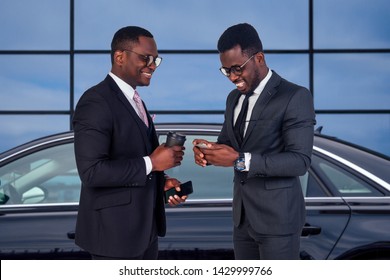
{"type": "Point", "coordinates": [125, 35]}
{"type": "Point", "coordinates": [243, 35]}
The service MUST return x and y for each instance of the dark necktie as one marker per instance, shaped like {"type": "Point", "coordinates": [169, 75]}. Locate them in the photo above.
{"type": "Point", "coordinates": [239, 126]}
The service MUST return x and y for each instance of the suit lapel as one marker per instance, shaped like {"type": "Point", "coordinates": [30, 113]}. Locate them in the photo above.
{"type": "Point", "coordinates": [265, 96]}
{"type": "Point", "coordinates": [142, 128]}
{"type": "Point", "coordinates": [235, 95]}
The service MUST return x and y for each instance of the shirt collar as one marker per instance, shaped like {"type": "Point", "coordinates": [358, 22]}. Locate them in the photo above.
{"type": "Point", "coordinates": [262, 84]}
{"type": "Point", "coordinates": [124, 87]}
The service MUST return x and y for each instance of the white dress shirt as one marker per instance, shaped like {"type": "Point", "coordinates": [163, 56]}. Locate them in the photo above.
{"type": "Point", "coordinates": [251, 104]}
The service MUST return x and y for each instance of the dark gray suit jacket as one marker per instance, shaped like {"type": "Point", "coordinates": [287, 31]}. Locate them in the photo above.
{"type": "Point", "coordinates": [280, 139]}
{"type": "Point", "coordinates": [118, 202]}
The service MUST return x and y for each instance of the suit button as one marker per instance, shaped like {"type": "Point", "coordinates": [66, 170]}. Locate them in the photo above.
{"type": "Point", "coordinates": [242, 182]}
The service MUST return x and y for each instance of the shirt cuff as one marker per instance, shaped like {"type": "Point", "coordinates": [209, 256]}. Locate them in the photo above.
{"type": "Point", "coordinates": [248, 157]}
{"type": "Point", "coordinates": [148, 164]}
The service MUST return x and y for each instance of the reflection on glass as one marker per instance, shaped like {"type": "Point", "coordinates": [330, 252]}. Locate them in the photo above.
{"type": "Point", "coordinates": [46, 176]}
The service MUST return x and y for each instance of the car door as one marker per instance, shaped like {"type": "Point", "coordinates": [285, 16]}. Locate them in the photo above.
{"type": "Point", "coordinates": [39, 194]}
{"type": "Point", "coordinates": [327, 214]}
{"type": "Point", "coordinates": [366, 234]}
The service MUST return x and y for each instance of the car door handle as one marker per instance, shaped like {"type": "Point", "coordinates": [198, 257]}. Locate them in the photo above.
{"type": "Point", "coordinates": [71, 235]}
{"type": "Point", "coordinates": [310, 230]}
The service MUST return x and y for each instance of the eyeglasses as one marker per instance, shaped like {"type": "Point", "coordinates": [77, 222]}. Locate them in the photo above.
{"type": "Point", "coordinates": [149, 59]}
{"type": "Point", "coordinates": [237, 70]}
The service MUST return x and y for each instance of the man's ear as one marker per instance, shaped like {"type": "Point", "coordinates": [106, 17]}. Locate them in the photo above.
{"type": "Point", "coordinates": [260, 57]}
{"type": "Point", "coordinates": [118, 57]}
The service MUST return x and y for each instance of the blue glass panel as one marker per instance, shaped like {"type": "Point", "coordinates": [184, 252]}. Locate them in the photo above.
{"type": "Point", "coordinates": [34, 82]}
{"type": "Point", "coordinates": [292, 67]}
{"type": "Point", "coordinates": [34, 25]}
{"type": "Point", "coordinates": [186, 81]}
{"type": "Point", "coordinates": [89, 69]}
{"type": "Point", "coordinates": [352, 81]}
{"type": "Point", "coordinates": [16, 130]}
{"type": "Point", "coordinates": [351, 24]}
{"type": "Point", "coordinates": [192, 24]}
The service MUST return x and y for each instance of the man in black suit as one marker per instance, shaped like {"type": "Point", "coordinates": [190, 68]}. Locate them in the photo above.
{"type": "Point", "coordinates": [267, 136]}
{"type": "Point", "coordinates": [119, 159]}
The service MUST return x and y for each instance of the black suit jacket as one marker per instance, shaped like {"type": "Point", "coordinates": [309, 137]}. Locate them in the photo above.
{"type": "Point", "coordinates": [118, 201]}
{"type": "Point", "coordinates": [280, 139]}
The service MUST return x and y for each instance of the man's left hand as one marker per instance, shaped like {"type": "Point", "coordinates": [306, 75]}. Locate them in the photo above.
{"type": "Point", "coordinates": [174, 183]}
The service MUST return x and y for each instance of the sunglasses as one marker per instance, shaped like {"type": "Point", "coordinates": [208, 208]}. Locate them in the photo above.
{"type": "Point", "coordinates": [149, 59]}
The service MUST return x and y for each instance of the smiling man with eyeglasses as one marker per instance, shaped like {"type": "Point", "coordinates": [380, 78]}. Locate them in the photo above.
{"type": "Point", "coordinates": [235, 69]}
{"type": "Point", "coordinates": [119, 160]}
{"type": "Point", "coordinates": [267, 136]}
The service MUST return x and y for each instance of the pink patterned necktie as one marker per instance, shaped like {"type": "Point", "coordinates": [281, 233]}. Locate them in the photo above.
{"type": "Point", "coordinates": [141, 109]}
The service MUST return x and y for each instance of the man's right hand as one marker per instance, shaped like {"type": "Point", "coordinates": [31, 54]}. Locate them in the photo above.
{"type": "Point", "coordinates": [198, 154]}
{"type": "Point", "coordinates": [164, 158]}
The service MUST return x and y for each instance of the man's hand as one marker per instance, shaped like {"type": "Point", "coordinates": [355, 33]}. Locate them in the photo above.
{"type": "Point", "coordinates": [215, 154]}
{"type": "Point", "coordinates": [198, 151]}
{"type": "Point", "coordinates": [174, 183]}
{"type": "Point", "coordinates": [164, 158]}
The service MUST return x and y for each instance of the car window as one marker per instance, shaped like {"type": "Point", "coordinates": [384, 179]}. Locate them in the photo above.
{"type": "Point", "coordinates": [343, 182]}
{"type": "Point", "coordinates": [310, 186]}
{"type": "Point", "coordinates": [210, 182]}
{"type": "Point", "coordinates": [46, 176]}
{"type": "Point", "coordinates": [214, 182]}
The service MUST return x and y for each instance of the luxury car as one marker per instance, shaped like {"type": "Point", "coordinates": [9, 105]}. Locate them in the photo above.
{"type": "Point", "coordinates": [347, 194]}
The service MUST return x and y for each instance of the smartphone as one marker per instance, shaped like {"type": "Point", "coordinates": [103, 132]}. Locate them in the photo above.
{"type": "Point", "coordinates": [185, 189]}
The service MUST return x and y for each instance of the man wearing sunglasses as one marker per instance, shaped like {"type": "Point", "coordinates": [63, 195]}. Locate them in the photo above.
{"type": "Point", "coordinates": [267, 135]}
{"type": "Point", "coordinates": [119, 159]}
